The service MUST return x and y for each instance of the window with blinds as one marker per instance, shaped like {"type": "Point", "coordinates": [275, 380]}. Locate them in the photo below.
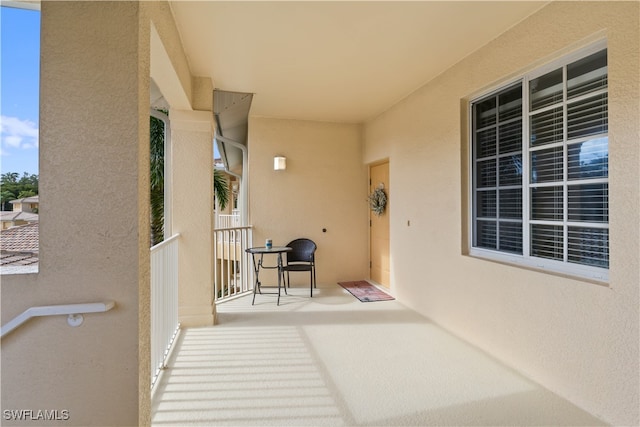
{"type": "Point", "coordinates": [498, 171]}
{"type": "Point", "coordinates": [540, 168]}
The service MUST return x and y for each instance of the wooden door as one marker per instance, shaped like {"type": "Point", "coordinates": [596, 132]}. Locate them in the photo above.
{"type": "Point", "coordinates": [379, 227]}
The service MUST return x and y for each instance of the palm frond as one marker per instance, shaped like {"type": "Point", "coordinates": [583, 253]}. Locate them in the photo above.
{"type": "Point", "coordinates": [221, 188]}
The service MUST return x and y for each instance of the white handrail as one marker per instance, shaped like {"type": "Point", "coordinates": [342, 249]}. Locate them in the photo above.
{"type": "Point", "coordinates": [74, 311]}
{"type": "Point", "coordinates": [164, 243]}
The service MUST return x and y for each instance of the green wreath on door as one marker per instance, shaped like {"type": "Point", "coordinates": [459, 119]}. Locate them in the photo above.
{"type": "Point", "coordinates": [378, 200]}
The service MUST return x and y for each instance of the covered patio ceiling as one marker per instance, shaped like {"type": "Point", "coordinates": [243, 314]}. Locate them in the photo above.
{"type": "Point", "coordinates": [332, 60]}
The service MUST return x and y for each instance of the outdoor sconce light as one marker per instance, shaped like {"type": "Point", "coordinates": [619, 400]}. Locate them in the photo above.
{"type": "Point", "coordinates": [279, 163]}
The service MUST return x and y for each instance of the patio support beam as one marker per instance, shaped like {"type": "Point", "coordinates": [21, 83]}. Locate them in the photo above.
{"type": "Point", "coordinates": [192, 178]}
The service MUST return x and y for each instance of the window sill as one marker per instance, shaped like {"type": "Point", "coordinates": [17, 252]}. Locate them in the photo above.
{"type": "Point", "coordinates": [514, 261]}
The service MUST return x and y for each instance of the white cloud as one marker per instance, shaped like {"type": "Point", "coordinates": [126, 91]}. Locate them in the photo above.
{"type": "Point", "coordinates": [17, 133]}
{"type": "Point", "coordinates": [29, 146]}
{"type": "Point", "coordinates": [12, 141]}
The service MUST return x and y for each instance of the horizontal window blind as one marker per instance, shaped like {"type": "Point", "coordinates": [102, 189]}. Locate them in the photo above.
{"type": "Point", "coordinates": [547, 135]}
{"type": "Point", "coordinates": [589, 246]}
{"type": "Point", "coordinates": [499, 169]}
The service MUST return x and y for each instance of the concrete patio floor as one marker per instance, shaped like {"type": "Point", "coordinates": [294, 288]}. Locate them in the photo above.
{"type": "Point", "coordinates": [331, 360]}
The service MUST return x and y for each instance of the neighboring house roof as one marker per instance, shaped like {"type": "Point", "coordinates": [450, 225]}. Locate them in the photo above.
{"type": "Point", "coordinates": [21, 239]}
{"type": "Point", "coordinates": [17, 259]}
{"type": "Point", "coordinates": [32, 199]}
{"type": "Point", "coordinates": [18, 216]}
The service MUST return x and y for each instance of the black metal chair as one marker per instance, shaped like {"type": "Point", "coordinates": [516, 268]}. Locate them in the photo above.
{"type": "Point", "coordinates": [302, 258]}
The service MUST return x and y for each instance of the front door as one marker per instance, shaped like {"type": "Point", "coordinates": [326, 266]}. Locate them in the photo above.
{"type": "Point", "coordinates": [379, 227]}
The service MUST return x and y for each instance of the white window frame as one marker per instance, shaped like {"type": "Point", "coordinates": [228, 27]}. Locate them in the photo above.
{"type": "Point", "coordinates": [526, 260]}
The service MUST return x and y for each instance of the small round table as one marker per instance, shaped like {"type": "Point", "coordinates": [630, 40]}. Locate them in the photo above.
{"type": "Point", "coordinates": [258, 264]}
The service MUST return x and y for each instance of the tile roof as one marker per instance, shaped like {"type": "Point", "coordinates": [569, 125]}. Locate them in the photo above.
{"type": "Point", "coordinates": [24, 238]}
{"type": "Point", "coordinates": [18, 215]}
{"type": "Point", "coordinates": [31, 199]}
{"type": "Point", "coordinates": [18, 259]}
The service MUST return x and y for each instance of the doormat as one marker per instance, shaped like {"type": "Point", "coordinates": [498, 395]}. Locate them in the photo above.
{"type": "Point", "coordinates": [365, 291]}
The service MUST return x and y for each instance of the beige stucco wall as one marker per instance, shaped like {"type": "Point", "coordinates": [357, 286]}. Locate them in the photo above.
{"type": "Point", "coordinates": [579, 339]}
{"type": "Point", "coordinates": [94, 148]}
{"type": "Point", "coordinates": [192, 205]}
{"type": "Point", "coordinates": [169, 65]}
{"type": "Point", "coordinates": [97, 58]}
{"type": "Point", "coordinates": [324, 186]}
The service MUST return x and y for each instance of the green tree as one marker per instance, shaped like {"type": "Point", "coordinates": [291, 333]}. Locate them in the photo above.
{"type": "Point", "coordinates": [10, 178]}
{"type": "Point", "coordinates": [156, 178]}
{"type": "Point", "coordinates": [29, 182]}
{"type": "Point", "coordinates": [26, 193]}
{"type": "Point", "coordinates": [5, 198]}
{"type": "Point", "coordinates": [220, 189]}
{"type": "Point", "coordinates": [13, 187]}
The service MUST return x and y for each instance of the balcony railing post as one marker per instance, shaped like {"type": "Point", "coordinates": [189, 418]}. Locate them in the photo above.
{"type": "Point", "coordinates": [224, 221]}
{"type": "Point", "coordinates": [164, 302]}
{"type": "Point", "coordinates": [232, 275]}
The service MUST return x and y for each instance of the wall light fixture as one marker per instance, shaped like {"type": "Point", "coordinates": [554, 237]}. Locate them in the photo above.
{"type": "Point", "coordinates": [279, 163]}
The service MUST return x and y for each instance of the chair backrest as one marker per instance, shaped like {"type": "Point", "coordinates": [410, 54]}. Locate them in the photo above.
{"type": "Point", "coordinates": [303, 250]}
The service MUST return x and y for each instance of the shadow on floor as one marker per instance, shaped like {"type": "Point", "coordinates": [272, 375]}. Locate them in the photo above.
{"type": "Point", "coordinates": [334, 361]}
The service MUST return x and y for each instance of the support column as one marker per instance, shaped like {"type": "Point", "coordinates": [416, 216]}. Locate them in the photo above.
{"type": "Point", "coordinates": [94, 225]}
{"type": "Point", "coordinates": [192, 180]}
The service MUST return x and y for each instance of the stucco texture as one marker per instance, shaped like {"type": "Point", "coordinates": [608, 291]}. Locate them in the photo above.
{"type": "Point", "coordinates": [94, 156]}
{"type": "Point", "coordinates": [192, 206]}
{"type": "Point", "coordinates": [577, 338]}
{"type": "Point", "coordinates": [323, 187]}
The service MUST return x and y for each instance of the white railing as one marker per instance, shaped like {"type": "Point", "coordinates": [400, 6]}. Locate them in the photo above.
{"type": "Point", "coordinates": [233, 271]}
{"type": "Point", "coordinates": [74, 313]}
{"type": "Point", "coordinates": [227, 221]}
{"type": "Point", "coordinates": [164, 302]}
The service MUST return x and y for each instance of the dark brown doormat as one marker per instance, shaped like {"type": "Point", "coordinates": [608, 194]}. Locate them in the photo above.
{"type": "Point", "coordinates": [365, 291]}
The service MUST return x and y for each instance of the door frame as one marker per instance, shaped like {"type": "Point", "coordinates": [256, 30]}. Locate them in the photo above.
{"type": "Point", "coordinates": [371, 214]}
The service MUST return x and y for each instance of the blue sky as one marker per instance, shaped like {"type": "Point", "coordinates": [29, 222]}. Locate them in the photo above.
{"type": "Point", "coordinates": [19, 89]}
